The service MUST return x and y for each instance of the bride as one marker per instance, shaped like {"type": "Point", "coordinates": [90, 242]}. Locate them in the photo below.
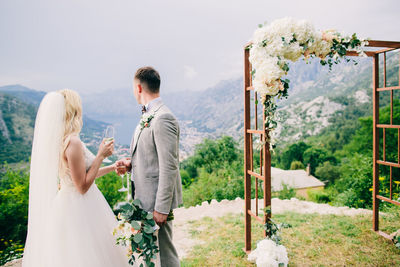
{"type": "Point", "coordinates": [69, 221]}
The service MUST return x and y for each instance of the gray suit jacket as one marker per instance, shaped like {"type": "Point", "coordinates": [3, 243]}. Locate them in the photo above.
{"type": "Point", "coordinates": [155, 162]}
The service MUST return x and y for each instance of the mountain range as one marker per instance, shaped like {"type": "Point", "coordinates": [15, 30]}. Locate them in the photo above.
{"type": "Point", "coordinates": [219, 110]}
{"type": "Point", "coordinates": [316, 96]}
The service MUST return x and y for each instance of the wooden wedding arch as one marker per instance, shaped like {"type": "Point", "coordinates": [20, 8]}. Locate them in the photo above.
{"type": "Point", "coordinates": [376, 48]}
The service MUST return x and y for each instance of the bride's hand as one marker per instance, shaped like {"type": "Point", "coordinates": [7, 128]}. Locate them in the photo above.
{"type": "Point", "coordinates": [106, 150]}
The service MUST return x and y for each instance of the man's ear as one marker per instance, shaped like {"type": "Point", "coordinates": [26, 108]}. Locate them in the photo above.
{"type": "Point", "coordinates": [140, 88]}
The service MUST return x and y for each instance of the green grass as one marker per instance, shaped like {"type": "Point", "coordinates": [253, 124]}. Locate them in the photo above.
{"type": "Point", "coordinates": [313, 240]}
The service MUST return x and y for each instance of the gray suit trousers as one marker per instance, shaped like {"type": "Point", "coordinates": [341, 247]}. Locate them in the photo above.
{"type": "Point", "coordinates": [168, 254]}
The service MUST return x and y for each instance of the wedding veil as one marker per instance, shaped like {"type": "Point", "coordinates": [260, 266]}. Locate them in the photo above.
{"type": "Point", "coordinates": [43, 181]}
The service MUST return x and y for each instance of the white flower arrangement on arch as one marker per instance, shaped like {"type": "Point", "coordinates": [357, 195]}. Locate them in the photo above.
{"type": "Point", "coordinates": [283, 40]}
{"type": "Point", "coordinates": [273, 46]}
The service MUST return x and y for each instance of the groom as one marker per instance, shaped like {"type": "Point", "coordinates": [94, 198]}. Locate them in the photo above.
{"type": "Point", "coordinates": [154, 162]}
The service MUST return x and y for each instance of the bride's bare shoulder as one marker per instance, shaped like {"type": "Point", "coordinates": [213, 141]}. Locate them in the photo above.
{"type": "Point", "coordinates": [74, 139]}
{"type": "Point", "coordinates": [74, 145]}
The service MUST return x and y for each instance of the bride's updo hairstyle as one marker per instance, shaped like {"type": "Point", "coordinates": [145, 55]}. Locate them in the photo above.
{"type": "Point", "coordinates": [72, 123]}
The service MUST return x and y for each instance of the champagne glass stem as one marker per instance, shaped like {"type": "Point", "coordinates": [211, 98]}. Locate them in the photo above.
{"type": "Point", "coordinates": [128, 197]}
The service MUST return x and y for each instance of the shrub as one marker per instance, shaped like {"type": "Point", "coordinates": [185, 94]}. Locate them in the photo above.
{"type": "Point", "coordinates": [186, 180]}
{"type": "Point", "coordinates": [301, 198]}
{"type": "Point", "coordinates": [14, 194]}
{"type": "Point", "coordinates": [355, 182]}
{"type": "Point", "coordinates": [12, 250]}
{"type": "Point", "coordinates": [286, 193]}
{"type": "Point", "coordinates": [109, 185]}
{"type": "Point", "coordinates": [222, 184]}
{"type": "Point", "coordinates": [296, 165]}
{"type": "Point", "coordinates": [347, 198]}
{"type": "Point", "coordinates": [319, 196]}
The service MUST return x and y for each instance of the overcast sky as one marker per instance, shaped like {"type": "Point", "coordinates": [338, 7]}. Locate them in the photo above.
{"type": "Point", "coordinates": [91, 45]}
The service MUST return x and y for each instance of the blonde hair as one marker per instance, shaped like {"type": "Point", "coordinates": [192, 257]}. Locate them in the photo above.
{"type": "Point", "coordinates": [72, 123]}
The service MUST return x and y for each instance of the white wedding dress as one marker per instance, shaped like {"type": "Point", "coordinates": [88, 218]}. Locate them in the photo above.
{"type": "Point", "coordinates": [80, 228]}
{"type": "Point", "coordinates": [65, 228]}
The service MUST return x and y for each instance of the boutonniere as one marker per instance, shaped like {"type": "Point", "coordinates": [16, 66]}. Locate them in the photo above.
{"type": "Point", "coordinates": [145, 121]}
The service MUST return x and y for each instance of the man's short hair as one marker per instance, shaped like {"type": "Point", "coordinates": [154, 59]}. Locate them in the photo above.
{"type": "Point", "coordinates": [150, 77]}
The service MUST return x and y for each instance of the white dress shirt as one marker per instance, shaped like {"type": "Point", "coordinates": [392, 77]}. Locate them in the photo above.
{"type": "Point", "coordinates": [152, 103]}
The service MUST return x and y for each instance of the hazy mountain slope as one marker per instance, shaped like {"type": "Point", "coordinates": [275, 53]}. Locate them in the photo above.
{"type": "Point", "coordinates": [344, 78]}
{"type": "Point", "coordinates": [315, 104]}
{"type": "Point", "coordinates": [317, 97]}
{"type": "Point", "coordinates": [18, 108]}
{"type": "Point", "coordinates": [215, 110]}
{"type": "Point", "coordinates": [219, 110]}
{"type": "Point", "coordinates": [16, 128]}
{"type": "Point", "coordinates": [24, 93]}
{"type": "Point", "coordinates": [202, 114]}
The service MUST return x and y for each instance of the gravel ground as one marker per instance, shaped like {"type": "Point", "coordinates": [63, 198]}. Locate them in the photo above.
{"type": "Point", "coordinates": [182, 237]}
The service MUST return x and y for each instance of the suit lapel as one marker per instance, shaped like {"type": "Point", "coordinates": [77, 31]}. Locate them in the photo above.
{"type": "Point", "coordinates": [136, 138]}
{"type": "Point", "coordinates": [135, 142]}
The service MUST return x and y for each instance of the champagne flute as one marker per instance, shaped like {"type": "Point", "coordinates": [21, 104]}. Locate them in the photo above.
{"type": "Point", "coordinates": [122, 169]}
{"type": "Point", "coordinates": [109, 134]}
{"type": "Point", "coordinates": [108, 137]}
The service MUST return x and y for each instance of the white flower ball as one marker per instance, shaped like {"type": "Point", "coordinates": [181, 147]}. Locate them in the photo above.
{"type": "Point", "coordinates": [269, 254]}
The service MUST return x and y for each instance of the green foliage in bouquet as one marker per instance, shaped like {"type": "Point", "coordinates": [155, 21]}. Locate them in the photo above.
{"type": "Point", "coordinates": [340, 45]}
{"type": "Point", "coordinates": [135, 230]}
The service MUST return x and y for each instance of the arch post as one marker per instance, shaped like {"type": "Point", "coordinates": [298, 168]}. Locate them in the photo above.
{"type": "Point", "coordinates": [264, 172]}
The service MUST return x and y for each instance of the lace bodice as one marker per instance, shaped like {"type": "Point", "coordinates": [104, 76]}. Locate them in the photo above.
{"type": "Point", "coordinates": [66, 182]}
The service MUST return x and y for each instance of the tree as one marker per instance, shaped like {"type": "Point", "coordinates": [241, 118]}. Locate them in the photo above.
{"type": "Point", "coordinates": [211, 155]}
{"type": "Point", "coordinates": [315, 156]}
{"type": "Point", "coordinates": [296, 165]}
{"type": "Point", "coordinates": [355, 182]}
{"type": "Point", "coordinates": [189, 165]}
{"type": "Point", "coordinates": [327, 171]}
{"type": "Point", "coordinates": [362, 141]}
{"type": "Point", "coordinates": [293, 153]}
